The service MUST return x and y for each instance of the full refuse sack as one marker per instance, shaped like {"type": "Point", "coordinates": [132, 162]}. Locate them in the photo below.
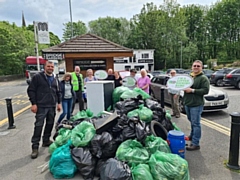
{"type": "Point", "coordinates": [153, 144]}
{"type": "Point", "coordinates": [61, 164]}
{"type": "Point", "coordinates": [168, 166]}
{"type": "Point", "coordinates": [103, 145]}
{"type": "Point", "coordinates": [132, 152]}
{"type": "Point", "coordinates": [82, 134]}
{"type": "Point", "coordinates": [85, 162]}
{"type": "Point", "coordinates": [115, 170]}
{"type": "Point", "coordinates": [63, 136]}
{"type": "Point", "coordinates": [141, 172]}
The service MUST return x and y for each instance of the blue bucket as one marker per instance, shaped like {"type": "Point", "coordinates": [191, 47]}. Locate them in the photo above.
{"type": "Point", "coordinates": [177, 142]}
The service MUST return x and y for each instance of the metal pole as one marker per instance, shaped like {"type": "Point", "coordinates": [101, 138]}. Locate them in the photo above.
{"type": "Point", "coordinates": [234, 142]}
{"type": "Point", "coordinates": [70, 8]}
{"type": "Point", "coordinates": [10, 113]}
{"type": "Point", "coordinates": [36, 44]}
{"type": "Point", "coordinates": [181, 56]}
{"type": "Point", "coordinates": [162, 97]}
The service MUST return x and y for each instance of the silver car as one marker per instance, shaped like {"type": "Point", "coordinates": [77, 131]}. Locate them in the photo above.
{"type": "Point", "coordinates": [215, 100]}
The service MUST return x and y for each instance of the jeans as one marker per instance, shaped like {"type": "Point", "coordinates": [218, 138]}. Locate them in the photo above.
{"type": "Point", "coordinates": [42, 113]}
{"type": "Point", "coordinates": [67, 107]}
{"type": "Point", "coordinates": [79, 96]}
{"type": "Point", "coordinates": [194, 116]}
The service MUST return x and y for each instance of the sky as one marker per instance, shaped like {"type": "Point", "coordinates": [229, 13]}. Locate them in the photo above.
{"type": "Point", "coordinates": [56, 12]}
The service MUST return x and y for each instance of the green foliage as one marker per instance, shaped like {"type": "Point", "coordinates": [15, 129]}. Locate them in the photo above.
{"type": "Point", "coordinates": [16, 43]}
{"type": "Point", "coordinates": [113, 29]}
{"type": "Point", "coordinates": [78, 28]}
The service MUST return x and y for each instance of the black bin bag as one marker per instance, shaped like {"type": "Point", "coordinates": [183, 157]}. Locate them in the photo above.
{"type": "Point", "coordinates": [115, 170]}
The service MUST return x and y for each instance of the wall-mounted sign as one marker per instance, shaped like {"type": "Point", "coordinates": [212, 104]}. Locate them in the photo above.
{"type": "Point", "coordinates": [129, 81]}
{"type": "Point", "coordinates": [180, 82]}
{"type": "Point", "coordinates": [120, 61]}
{"type": "Point", "coordinates": [101, 74]}
{"type": "Point", "coordinates": [42, 32]}
{"type": "Point", "coordinates": [53, 56]}
{"type": "Point", "coordinates": [145, 61]}
{"type": "Point", "coordinates": [96, 64]}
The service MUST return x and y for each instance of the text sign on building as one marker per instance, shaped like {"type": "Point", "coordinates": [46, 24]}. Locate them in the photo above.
{"type": "Point", "coordinates": [97, 64]}
{"type": "Point", "coordinates": [53, 56]}
{"type": "Point", "coordinates": [119, 61]}
{"type": "Point", "coordinates": [145, 61]}
{"type": "Point", "coordinates": [42, 32]}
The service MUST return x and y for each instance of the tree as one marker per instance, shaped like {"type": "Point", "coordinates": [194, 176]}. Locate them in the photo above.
{"type": "Point", "coordinates": [113, 29]}
{"type": "Point", "coordinates": [79, 28]}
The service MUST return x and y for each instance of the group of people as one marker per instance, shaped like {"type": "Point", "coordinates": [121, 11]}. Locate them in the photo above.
{"type": "Point", "coordinates": [47, 94]}
{"type": "Point", "coordinates": [193, 101]}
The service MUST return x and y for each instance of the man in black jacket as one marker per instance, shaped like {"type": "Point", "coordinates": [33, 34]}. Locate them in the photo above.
{"type": "Point", "coordinates": [44, 93]}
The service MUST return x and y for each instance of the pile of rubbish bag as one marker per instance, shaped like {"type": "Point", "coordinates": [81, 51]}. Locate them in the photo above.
{"type": "Point", "coordinates": [127, 144]}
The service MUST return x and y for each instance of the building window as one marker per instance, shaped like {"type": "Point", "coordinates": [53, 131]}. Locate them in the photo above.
{"type": "Point", "coordinates": [134, 58]}
{"type": "Point", "coordinates": [127, 68]}
{"type": "Point", "coordinates": [145, 56]}
{"type": "Point", "coordinates": [130, 59]}
{"type": "Point", "coordinates": [138, 68]}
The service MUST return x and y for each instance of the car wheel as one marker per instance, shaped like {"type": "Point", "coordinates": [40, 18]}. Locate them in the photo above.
{"type": "Point", "coordinates": [238, 85]}
{"type": "Point", "coordinates": [219, 82]}
{"type": "Point", "coordinates": [181, 106]}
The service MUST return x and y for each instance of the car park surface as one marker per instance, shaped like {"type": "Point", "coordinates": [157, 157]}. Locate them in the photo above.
{"type": "Point", "coordinates": [215, 100]}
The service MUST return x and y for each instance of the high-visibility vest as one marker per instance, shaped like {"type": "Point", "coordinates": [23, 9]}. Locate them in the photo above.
{"type": "Point", "coordinates": [75, 82]}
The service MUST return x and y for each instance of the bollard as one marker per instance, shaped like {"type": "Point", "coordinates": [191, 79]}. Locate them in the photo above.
{"type": "Point", "coordinates": [162, 97]}
{"type": "Point", "coordinates": [234, 142]}
{"type": "Point", "coordinates": [10, 113]}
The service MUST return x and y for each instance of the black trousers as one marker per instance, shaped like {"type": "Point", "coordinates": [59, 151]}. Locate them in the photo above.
{"type": "Point", "coordinates": [41, 115]}
{"type": "Point", "coordinates": [78, 96]}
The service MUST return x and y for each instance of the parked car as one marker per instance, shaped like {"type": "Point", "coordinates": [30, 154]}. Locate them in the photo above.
{"type": "Point", "coordinates": [233, 78]}
{"type": "Point", "coordinates": [208, 72]}
{"type": "Point", "coordinates": [178, 70]}
{"type": "Point", "coordinates": [156, 73]}
{"type": "Point", "coordinates": [217, 77]}
{"type": "Point", "coordinates": [215, 100]}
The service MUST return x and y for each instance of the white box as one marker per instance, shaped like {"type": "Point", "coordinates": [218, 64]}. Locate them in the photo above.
{"type": "Point", "coordinates": [99, 95]}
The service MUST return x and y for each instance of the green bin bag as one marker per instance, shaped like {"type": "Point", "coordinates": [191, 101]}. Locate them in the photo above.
{"type": "Point", "coordinates": [61, 164]}
{"type": "Point", "coordinates": [117, 92]}
{"type": "Point", "coordinates": [142, 93]}
{"type": "Point", "coordinates": [82, 115]}
{"type": "Point", "coordinates": [82, 134]}
{"type": "Point", "coordinates": [133, 152]}
{"type": "Point", "coordinates": [63, 136]}
{"type": "Point", "coordinates": [141, 172]}
{"type": "Point", "coordinates": [153, 144]}
{"type": "Point", "coordinates": [145, 114]}
{"type": "Point", "coordinates": [128, 94]}
{"type": "Point", "coordinates": [167, 166]}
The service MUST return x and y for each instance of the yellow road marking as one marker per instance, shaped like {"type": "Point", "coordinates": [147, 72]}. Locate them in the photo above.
{"type": "Point", "coordinates": [218, 127]}
{"type": "Point", "coordinates": [2, 122]}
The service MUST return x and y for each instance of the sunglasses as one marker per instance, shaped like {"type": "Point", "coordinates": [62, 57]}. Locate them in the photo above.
{"type": "Point", "coordinates": [196, 66]}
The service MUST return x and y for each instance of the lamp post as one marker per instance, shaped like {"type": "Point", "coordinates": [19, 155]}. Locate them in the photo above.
{"type": "Point", "coordinates": [181, 55]}
{"type": "Point", "coordinates": [70, 8]}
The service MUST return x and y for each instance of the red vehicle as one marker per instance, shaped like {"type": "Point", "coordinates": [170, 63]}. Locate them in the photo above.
{"type": "Point", "coordinates": [31, 65]}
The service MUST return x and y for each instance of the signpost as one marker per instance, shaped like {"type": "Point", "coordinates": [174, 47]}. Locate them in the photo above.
{"type": "Point", "coordinates": [41, 35]}
{"type": "Point", "coordinates": [180, 82]}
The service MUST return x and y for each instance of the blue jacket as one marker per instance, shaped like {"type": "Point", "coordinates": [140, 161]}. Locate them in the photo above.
{"type": "Point", "coordinates": [62, 85]}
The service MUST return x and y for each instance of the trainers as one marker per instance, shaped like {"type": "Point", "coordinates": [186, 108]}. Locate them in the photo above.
{"type": "Point", "coordinates": [192, 148]}
{"type": "Point", "coordinates": [47, 144]}
{"type": "Point", "coordinates": [34, 154]}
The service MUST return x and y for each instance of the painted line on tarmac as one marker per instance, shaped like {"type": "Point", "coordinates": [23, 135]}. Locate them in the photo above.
{"type": "Point", "coordinates": [2, 122]}
{"type": "Point", "coordinates": [218, 127]}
